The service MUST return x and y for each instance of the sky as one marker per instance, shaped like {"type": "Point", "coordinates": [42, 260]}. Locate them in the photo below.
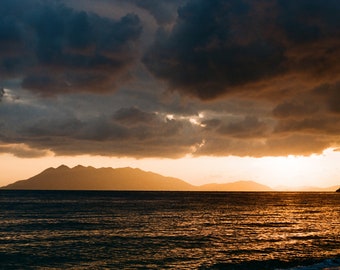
{"type": "Point", "coordinates": [204, 90]}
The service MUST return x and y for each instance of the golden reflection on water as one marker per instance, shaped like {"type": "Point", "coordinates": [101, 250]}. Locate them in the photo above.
{"type": "Point", "coordinates": [175, 230]}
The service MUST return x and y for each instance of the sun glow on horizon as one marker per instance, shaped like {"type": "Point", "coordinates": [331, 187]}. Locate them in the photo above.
{"type": "Point", "coordinates": [292, 170]}
{"type": "Point", "coordinates": [316, 170]}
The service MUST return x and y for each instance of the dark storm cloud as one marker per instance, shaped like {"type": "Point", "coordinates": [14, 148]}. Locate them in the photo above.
{"type": "Point", "coordinates": [128, 131]}
{"type": "Point", "coordinates": [22, 151]}
{"type": "Point", "coordinates": [309, 20]}
{"type": "Point", "coordinates": [247, 77]}
{"type": "Point", "coordinates": [163, 11]}
{"type": "Point", "coordinates": [249, 127]}
{"type": "Point", "coordinates": [56, 49]}
{"type": "Point", "coordinates": [313, 126]}
{"type": "Point", "coordinates": [330, 93]}
{"type": "Point", "coordinates": [132, 116]}
{"type": "Point", "coordinates": [296, 109]}
{"type": "Point", "coordinates": [295, 144]}
{"type": "Point", "coordinates": [139, 132]}
{"type": "Point", "coordinates": [217, 45]}
{"type": "Point", "coordinates": [2, 93]}
{"type": "Point", "coordinates": [57, 127]}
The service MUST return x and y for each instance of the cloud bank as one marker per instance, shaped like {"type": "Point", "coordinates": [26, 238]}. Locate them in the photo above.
{"type": "Point", "coordinates": [169, 78]}
{"type": "Point", "coordinates": [217, 46]}
{"type": "Point", "coordinates": [56, 49]}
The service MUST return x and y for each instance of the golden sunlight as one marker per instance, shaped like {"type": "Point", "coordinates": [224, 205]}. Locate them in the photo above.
{"type": "Point", "coordinates": [290, 170]}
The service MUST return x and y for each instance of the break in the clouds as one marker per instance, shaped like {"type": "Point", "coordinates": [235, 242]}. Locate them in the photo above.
{"type": "Point", "coordinates": [169, 78]}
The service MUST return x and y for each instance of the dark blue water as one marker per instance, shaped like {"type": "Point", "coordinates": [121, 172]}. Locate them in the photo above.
{"type": "Point", "coordinates": [169, 230]}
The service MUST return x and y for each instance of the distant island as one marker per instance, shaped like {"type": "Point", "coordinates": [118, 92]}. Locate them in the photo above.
{"type": "Point", "coordinates": [307, 189]}
{"type": "Point", "coordinates": [90, 178]}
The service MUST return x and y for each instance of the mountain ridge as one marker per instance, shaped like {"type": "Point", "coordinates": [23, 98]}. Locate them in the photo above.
{"type": "Point", "coordinates": [243, 185]}
{"type": "Point", "coordinates": [89, 178]}
{"type": "Point", "coordinates": [127, 178]}
{"type": "Point", "coordinates": [307, 189]}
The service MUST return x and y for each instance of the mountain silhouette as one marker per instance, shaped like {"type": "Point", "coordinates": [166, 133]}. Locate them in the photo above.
{"type": "Point", "coordinates": [307, 188]}
{"type": "Point", "coordinates": [236, 186]}
{"type": "Point", "coordinates": [90, 178]}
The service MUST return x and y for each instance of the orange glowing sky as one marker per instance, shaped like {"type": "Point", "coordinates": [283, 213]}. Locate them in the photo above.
{"type": "Point", "coordinates": [316, 170]}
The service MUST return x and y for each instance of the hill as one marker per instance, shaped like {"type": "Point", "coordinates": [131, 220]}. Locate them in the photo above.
{"type": "Point", "coordinates": [308, 189]}
{"type": "Point", "coordinates": [89, 178]}
{"type": "Point", "coordinates": [236, 186]}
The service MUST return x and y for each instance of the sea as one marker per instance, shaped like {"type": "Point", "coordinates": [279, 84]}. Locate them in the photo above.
{"type": "Point", "coordinates": [169, 230]}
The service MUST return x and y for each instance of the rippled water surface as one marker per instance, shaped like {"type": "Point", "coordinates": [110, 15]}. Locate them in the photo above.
{"type": "Point", "coordinates": [168, 230]}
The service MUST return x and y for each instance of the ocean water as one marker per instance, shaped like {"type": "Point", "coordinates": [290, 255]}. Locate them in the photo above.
{"type": "Point", "coordinates": [169, 230]}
